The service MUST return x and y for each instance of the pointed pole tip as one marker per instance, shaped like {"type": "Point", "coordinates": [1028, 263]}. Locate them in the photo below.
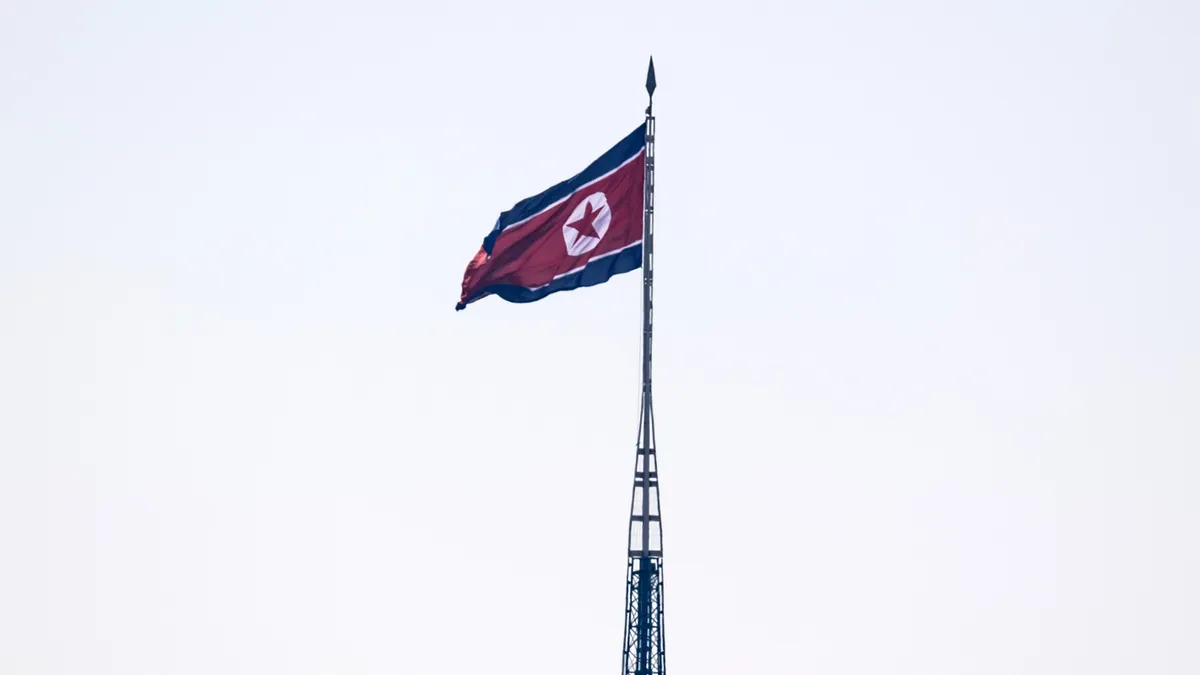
{"type": "Point", "coordinates": [651, 82]}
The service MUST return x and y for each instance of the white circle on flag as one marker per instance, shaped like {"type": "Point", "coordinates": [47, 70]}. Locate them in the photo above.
{"type": "Point", "coordinates": [579, 234]}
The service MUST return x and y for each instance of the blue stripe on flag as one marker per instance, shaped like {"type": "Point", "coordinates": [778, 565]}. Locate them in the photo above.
{"type": "Point", "coordinates": [595, 272]}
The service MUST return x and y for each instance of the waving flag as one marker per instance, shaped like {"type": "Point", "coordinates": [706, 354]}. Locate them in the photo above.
{"type": "Point", "coordinates": [581, 232]}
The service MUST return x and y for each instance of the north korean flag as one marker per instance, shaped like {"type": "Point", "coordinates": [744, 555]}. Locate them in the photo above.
{"type": "Point", "coordinates": [581, 232]}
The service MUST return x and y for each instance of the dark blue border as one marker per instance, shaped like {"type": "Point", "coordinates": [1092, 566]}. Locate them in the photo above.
{"type": "Point", "coordinates": [626, 148]}
{"type": "Point", "coordinates": [594, 273]}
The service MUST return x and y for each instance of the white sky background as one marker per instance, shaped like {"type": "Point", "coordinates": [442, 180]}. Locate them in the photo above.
{"type": "Point", "coordinates": [927, 376]}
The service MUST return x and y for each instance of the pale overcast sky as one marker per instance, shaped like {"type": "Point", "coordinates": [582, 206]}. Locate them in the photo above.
{"type": "Point", "coordinates": [927, 371]}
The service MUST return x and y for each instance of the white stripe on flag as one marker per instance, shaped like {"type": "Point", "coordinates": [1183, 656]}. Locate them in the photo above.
{"type": "Point", "coordinates": [599, 257]}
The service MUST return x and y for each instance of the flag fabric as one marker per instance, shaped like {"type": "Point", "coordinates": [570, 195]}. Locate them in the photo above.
{"type": "Point", "coordinates": [581, 232]}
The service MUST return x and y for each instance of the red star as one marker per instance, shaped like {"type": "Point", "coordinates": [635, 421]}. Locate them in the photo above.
{"type": "Point", "coordinates": [583, 226]}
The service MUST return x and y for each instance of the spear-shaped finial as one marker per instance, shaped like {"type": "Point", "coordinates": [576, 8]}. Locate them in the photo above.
{"type": "Point", "coordinates": [651, 84]}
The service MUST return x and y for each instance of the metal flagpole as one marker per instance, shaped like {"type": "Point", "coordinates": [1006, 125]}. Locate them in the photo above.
{"type": "Point", "coordinates": [652, 647]}
{"type": "Point", "coordinates": [645, 650]}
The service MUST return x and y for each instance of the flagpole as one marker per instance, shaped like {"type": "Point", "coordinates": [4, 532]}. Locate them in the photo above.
{"type": "Point", "coordinates": [647, 430]}
{"type": "Point", "coordinates": [645, 650]}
